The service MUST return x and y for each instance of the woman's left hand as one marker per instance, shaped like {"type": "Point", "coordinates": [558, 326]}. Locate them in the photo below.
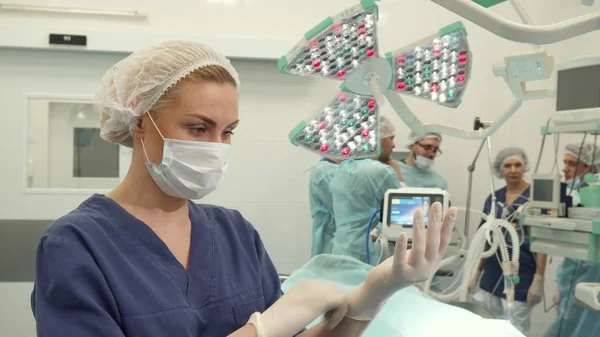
{"type": "Point", "coordinates": [406, 267]}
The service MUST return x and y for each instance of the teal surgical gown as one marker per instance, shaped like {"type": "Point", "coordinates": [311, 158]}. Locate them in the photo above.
{"type": "Point", "coordinates": [358, 188]}
{"type": "Point", "coordinates": [428, 178]}
{"type": "Point", "coordinates": [321, 207]}
{"type": "Point", "coordinates": [573, 320]}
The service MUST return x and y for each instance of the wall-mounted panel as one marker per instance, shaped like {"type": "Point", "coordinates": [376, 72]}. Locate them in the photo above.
{"type": "Point", "coordinates": [64, 148]}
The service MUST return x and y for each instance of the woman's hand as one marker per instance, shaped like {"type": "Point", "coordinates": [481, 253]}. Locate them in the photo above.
{"type": "Point", "coordinates": [406, 267]}
{"type": "Point", "coordinates": [302, 304]}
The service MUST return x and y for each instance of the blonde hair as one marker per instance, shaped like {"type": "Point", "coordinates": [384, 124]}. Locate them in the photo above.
{"type": "Point", "coordinates": [214, 74]}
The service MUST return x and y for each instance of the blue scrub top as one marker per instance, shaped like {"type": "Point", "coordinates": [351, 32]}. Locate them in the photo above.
{"type": "Point", "coordinates": [101, 272]}
{"type": "Point", "coordinates": [492, 279]}
{"type": "Point", "coordinates": [415, 177]}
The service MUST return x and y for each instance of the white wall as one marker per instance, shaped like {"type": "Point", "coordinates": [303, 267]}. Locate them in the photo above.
{"type": "Point", "coordinates": [265, 180]}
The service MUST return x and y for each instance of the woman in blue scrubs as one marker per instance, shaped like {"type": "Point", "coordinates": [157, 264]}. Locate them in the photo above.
{"type": "Point", "coordinates": [143, 260]}
{"type": "Point", "coordinates": [511, 164]}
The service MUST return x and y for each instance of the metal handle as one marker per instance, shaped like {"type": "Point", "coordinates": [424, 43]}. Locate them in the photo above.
{"type": "Point", "coordinates": [283, 277]}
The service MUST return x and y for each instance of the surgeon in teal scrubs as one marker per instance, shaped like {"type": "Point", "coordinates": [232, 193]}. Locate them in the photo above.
{"type": "Point", "coordinates": [573, 320]}
{"type": "Point", "coordinates": [358, 188]}
{"type": "Point", "coordinates": [321, 206]}
{"type": "Point", "coordinates": [417, 169]}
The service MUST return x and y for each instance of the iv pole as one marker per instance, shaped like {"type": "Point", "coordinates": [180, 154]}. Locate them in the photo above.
{"type": "Point", "coordinates": [478, 124]}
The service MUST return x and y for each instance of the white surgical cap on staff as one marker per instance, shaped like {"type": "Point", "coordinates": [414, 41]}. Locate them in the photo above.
{"type": "Point", "coordinates": [413, 139]}
{"type": "Point", "coordinates": [507, 154]}
{"type": "Point", "coordinates": [589, 155]}
{"type": "Point", "coordinates": [135, 84]}
{"type": "Point", "coordinates": [386, 128]}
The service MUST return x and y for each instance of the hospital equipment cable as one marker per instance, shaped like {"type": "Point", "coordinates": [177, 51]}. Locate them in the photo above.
{"type": "Point", "coordinates": [368, 240]}
{"type": "Point", "coordinates": [500, 279]}
{"type": "Point", "coordinates": [468, 266]}
{"type": "Point", "coordinates": [544, 304]}
{"type": "Point", "coordinates": [477, 249]}
{"type": "Point", "coordinates": [578, 161]}
{"type": "Point", "coordinates": [556, 142]}
{"type": "Point", "coordinates": [448, 261]}
{"type": "Point", "coordinates": [594, 150]}
{"type": "Point", "coordinates": [541, 152]}
{"type": "Point", "coordinates": [509, 218]}
{"type": "Point", "coordinates": [493, 184]}
{"type": "Point", "coordinates": [441, 295]}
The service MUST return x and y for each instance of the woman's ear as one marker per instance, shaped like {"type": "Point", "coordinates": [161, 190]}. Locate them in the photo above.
{"type": "Point", "coordinates": [137, 130]}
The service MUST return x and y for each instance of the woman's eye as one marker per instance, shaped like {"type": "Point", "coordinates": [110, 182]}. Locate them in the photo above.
{"type": "Point", "coordinates": [197, 131]}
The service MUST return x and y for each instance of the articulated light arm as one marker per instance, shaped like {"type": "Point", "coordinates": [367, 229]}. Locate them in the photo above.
{"type": "Point", "coordinates": [538, 34]}
{"type": "Point", "coordinates": [404, 112]}
{"type": "Point", "coordinates": [479, 134]}
{"type": "Point", "coordinates": [518, 89]}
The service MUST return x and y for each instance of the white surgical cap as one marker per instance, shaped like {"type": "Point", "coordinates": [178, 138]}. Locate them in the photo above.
{"type": "Point", "coordinates": [386, 128]}
{"type": "Point", "coordinates": [413, 139]}
{"type": "Point", "coordinates": [507, 154]}
{"type": "Point", "coordinates": [588, 151]}
{"type": "Point", "coordinates": [135, 84]}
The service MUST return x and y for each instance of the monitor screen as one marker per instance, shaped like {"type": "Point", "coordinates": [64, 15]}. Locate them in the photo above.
{"type": "Point", "coordinates": [578, 88]}
{"type": "Point", "coordinates": [403, 206]}
{"type": "Point", "coordinates": [543, 190]}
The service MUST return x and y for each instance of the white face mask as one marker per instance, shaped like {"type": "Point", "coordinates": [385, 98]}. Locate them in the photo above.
{"type": "Point", "coordinates": [574, 184]}
{"type": "Point", "coordinates": [189, 169]}
{"type": "Point", "coordinates": [423, 163]}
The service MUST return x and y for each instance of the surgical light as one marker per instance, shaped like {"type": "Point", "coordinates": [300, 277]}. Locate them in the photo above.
{"type": "Point", "coordinates": [348, 127]}
{"type": "Point", "coordinates": [337, 46]}
{"type": "Point", "coordinates": [345, 48]}
{"type": "Point", "coordinates": [438, 68]}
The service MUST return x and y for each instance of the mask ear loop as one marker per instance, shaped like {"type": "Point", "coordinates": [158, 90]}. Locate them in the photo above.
{"type": "Point", "coordinates": [142, 140]}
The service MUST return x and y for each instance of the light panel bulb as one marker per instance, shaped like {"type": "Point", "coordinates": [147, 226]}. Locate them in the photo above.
{"type": "Point", "coordinates": [346, 128]}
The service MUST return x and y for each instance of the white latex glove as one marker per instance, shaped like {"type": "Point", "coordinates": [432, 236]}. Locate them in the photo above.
{"type": "Point", "coordinates": [555, 300]}
{"type": "Point", "coordinates": [302, 304]}
{"type": "Point", "coordinates": [406, 267]}
{"type": "Point", "coordinates": [536, 290]}
{"type": "Point", "coordinates": [473, 283]}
